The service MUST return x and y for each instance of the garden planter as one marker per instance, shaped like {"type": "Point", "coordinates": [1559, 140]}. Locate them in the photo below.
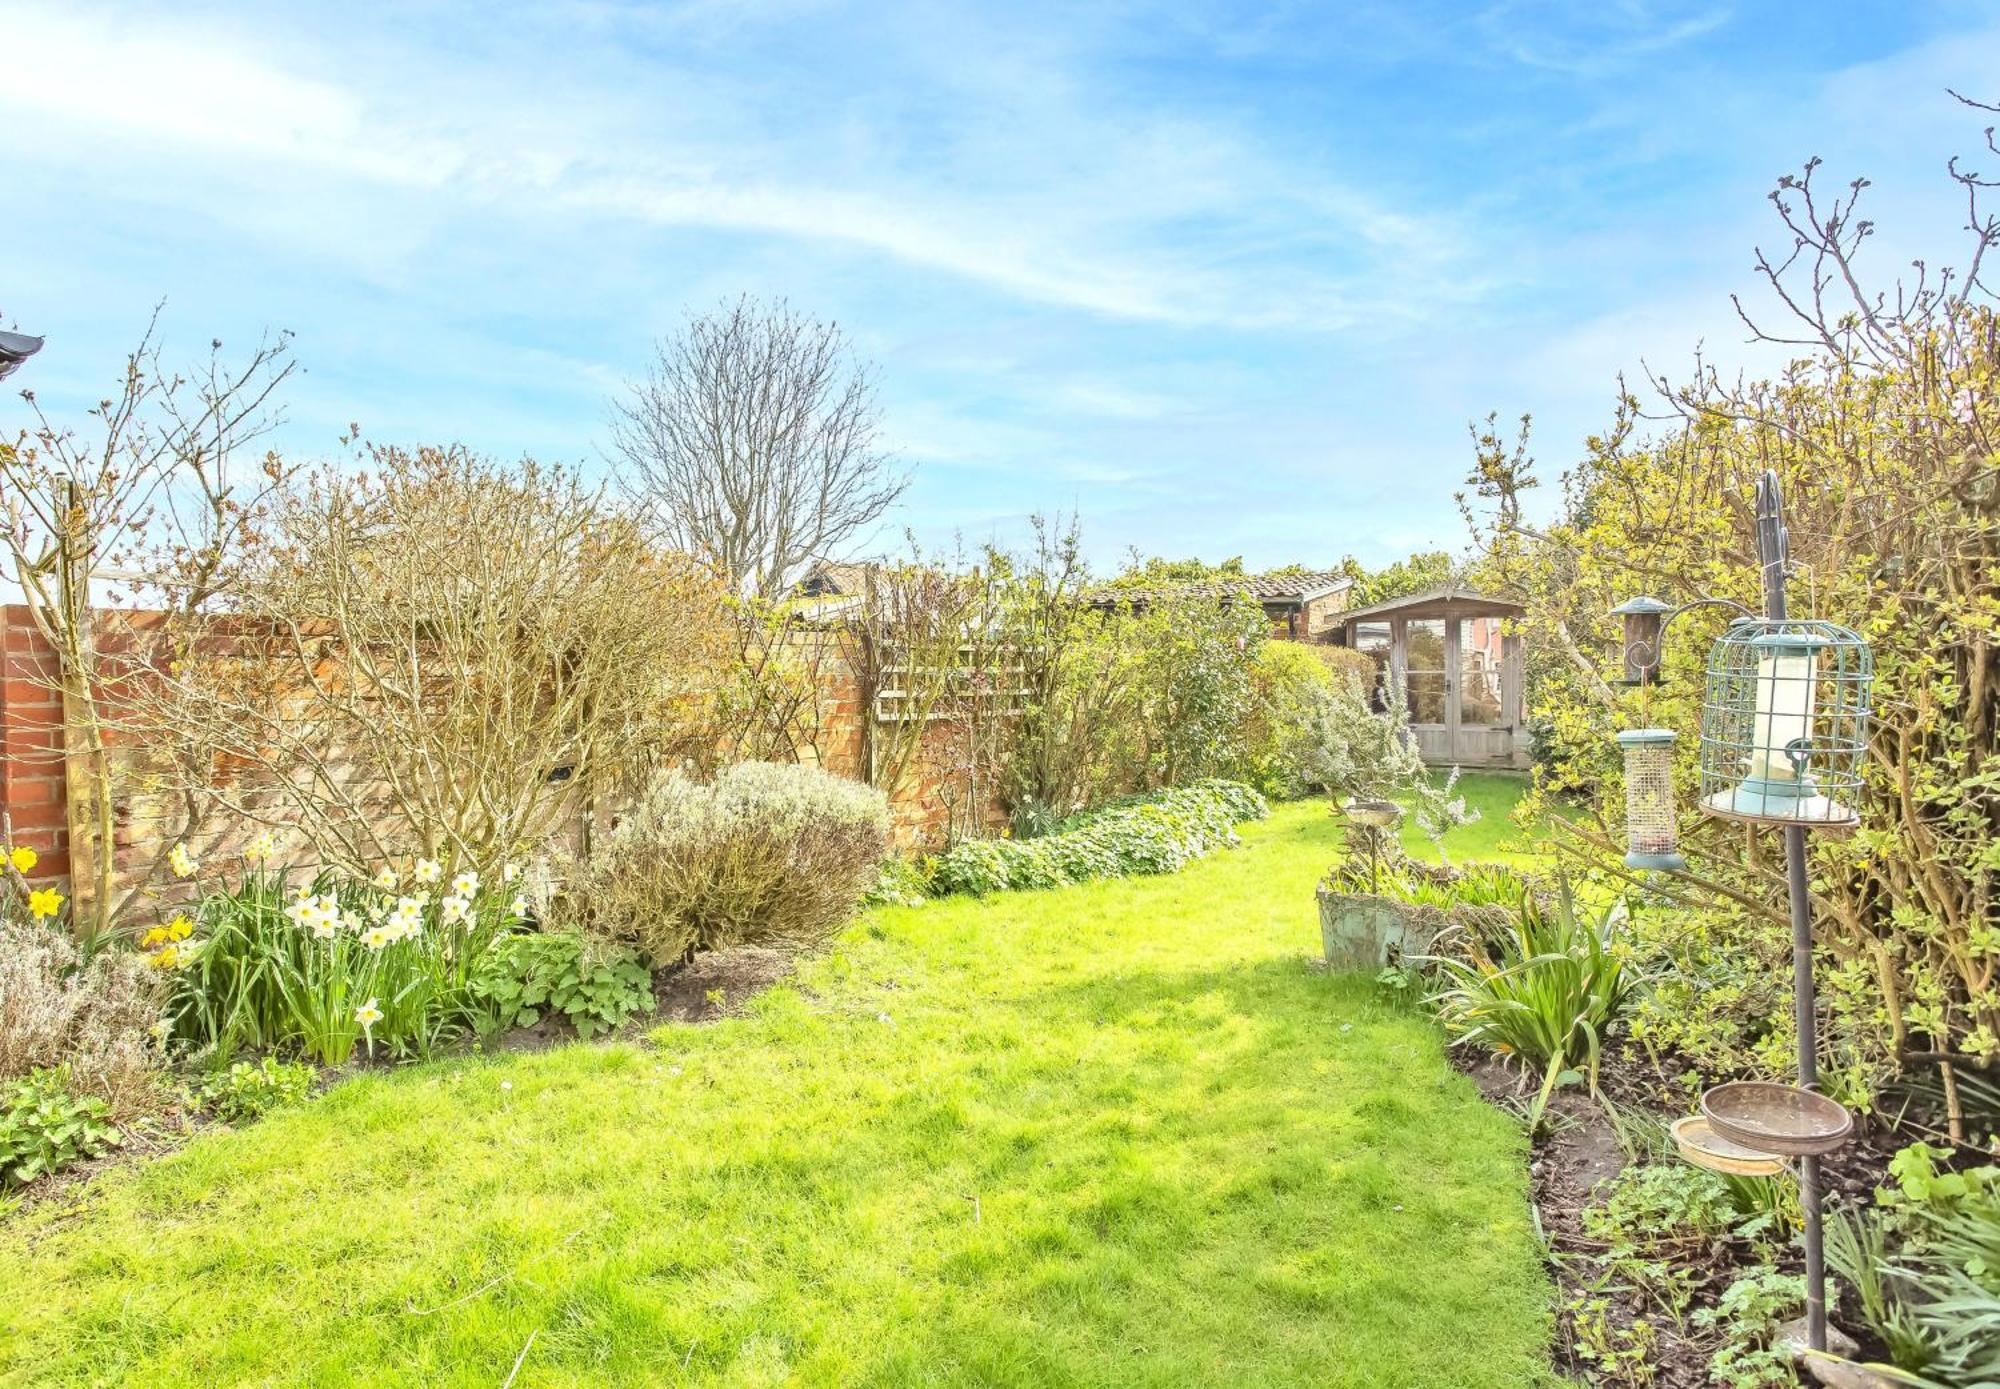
{"type": "Point", "coordinates": [1365, 932]}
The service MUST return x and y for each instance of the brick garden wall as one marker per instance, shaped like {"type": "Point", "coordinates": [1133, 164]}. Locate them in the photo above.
{"type": "Point", "coordinates": [31, 775]}
{"type": "Point", "coordinates": [937, 793]}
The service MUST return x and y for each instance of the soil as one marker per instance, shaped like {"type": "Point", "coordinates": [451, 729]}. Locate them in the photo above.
{"type": "Point", "coordinates": [717, 983]}
{"type": "Point", "coordinates": [1580, 1148]}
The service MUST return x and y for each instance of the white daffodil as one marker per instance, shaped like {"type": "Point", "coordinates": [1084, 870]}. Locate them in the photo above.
{"type": "Point", "coordinates": [427, 871]}
{"type": "Point", "coordinates": [509, 872]}
{"type": "Point", "coordinates": [384, 879]}
{"type": "Point", "coordinates": [182, 862]}
{"type": "Point", "coordinates": [368, 1014]}
{"type": "Point", "coordinates": [465, 884]}
{"type": "Point", "coordinates": [375, 937]}
{"type": "Point", "coordinates": [454, 910]}
{"type": "Point", "coordinates": [519, 905]}
{"type": "Point", "coordinates": [261, 850]}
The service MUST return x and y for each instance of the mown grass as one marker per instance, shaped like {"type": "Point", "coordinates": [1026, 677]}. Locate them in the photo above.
{"type": "Point", "coordinates": [1120, 1134]}
{"type": "Point", "coordinates": [1493, 836]}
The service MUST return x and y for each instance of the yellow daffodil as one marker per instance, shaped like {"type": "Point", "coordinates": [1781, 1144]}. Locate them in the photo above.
{"type": "Point", "coordinates": [22, 857]}
{"type": "Point", "coordinates": [44, 902]}
{"type": "Point", "coordinates": [180, 928]}
{"type": "Point", "coordinates": [181, 861]}
{"type": "Point", "coordinates": [261, 850]}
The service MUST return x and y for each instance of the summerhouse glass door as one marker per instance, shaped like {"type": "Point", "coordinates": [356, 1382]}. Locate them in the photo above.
{"type": "Point", "coordinates": [1478, 701]}
{"type": "Point", "coordinates": [1427, 684]}
{"type": "Point", "coordinates": [1454, 684]}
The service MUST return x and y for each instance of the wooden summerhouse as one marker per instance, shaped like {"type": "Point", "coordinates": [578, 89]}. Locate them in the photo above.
{"type": "Point", "coordinates": [1458, 667]}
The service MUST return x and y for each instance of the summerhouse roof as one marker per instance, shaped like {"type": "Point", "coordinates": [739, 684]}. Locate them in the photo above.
{"type": "Point", "coordinates": [1437, 601]}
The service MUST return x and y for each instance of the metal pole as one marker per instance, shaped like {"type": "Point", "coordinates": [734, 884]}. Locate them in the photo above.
{"type": "Point", "coordinates": [1771, 554]}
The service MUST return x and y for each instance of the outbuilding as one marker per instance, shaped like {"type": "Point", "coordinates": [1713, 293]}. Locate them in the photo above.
{"type": "Point", "coordinates": [1458, 665]}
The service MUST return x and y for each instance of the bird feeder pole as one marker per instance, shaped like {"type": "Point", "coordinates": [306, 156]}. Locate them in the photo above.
{"type": "Point", "coordinates": [1772, 554]}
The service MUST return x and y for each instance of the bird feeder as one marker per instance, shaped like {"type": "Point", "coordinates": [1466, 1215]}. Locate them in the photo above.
{"type": "Point", "coordinates": [1784, 723]}
{"type": "Point", "coordinates": [1652, 836]}
{"type": "Point", "coordinates": [1644, 619]}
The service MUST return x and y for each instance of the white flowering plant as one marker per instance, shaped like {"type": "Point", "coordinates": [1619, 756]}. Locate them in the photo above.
{"type": "Point", "coordinates": [323, 964]}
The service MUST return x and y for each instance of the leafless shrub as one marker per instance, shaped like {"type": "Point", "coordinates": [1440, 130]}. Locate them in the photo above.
{"type": "Point", "coordinates": [448, 656]}
{"type": "Point", "coordinates": [159, 499]}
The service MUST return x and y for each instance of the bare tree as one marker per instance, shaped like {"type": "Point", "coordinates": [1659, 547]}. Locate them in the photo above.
{"type": "Point", "coordinates": [755, 444]}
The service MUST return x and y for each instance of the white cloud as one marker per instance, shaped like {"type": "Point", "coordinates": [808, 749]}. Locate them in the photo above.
{"type": "Point", "coordinates": [142, 83]}
{"type": "Point", "coordinates": [1086, 208]}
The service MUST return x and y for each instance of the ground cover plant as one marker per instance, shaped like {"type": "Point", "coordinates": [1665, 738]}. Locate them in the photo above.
{"type": "Point", "coordinates": [1121, 1133]}
{"type": "Point", "coordinates": [1159, 832]}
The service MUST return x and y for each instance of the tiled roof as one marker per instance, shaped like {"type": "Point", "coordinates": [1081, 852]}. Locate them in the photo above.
{"type": "Point", "coordinates": [1265, 588]}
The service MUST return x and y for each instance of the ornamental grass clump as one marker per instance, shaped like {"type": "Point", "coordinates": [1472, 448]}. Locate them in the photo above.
{"type": "Point", "coordinates": [765, 854]}
{"type": "Point", "coordinates": [1547, 992]}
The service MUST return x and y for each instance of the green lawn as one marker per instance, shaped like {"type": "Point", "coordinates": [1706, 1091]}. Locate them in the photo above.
{"type": "Point", "coordinates": [1112, 1135]}
{"type": "Point", "coordinates": [1492, 835]}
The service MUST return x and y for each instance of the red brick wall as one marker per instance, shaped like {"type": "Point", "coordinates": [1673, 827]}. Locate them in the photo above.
{"type": "Point", "coordinates": [33, 793]}
{"type": "Point", "coordinates": [935, 786]}
{"type": "Point", "coordinates": [31, 774]}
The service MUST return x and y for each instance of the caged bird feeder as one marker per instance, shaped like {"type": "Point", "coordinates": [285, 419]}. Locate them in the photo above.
{"type": "Point", "coordinates": [1785, 723]}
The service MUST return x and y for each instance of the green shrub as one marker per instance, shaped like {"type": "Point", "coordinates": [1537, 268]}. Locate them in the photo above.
{"type": "Point", "coordinates": [1925, 1267]}
{"type": "Point", "coordinates": [766, 854]}
{"type": "Point", "coordinates": [333, 963]}
{"type": "Point", "coordinates": [44, 1127]}
{"type": "Point", "coordinates": [245, 1092]}
{"type": "Point", "coordinates": [1157, 833]}
{"type": "Point", "coordinates": [1286, 679]}
{"type": "Point", "coordinates": [596, 987]}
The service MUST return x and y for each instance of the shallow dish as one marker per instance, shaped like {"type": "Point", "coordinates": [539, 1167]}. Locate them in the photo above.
{"type": "Point", "coordinates": [1781, 1119]}
{"type": "Point", "coordinates": [1701, 1145]}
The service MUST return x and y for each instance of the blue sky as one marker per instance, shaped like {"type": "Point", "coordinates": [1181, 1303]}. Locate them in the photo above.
{"type": "Point", "coordinates": [1225, 279]}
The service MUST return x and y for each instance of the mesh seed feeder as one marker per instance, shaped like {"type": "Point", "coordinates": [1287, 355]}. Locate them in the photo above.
{"type": "Point", "coordinates": [1784, 723]}
{"type": "Point", "coordinates": [1652, 837]}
